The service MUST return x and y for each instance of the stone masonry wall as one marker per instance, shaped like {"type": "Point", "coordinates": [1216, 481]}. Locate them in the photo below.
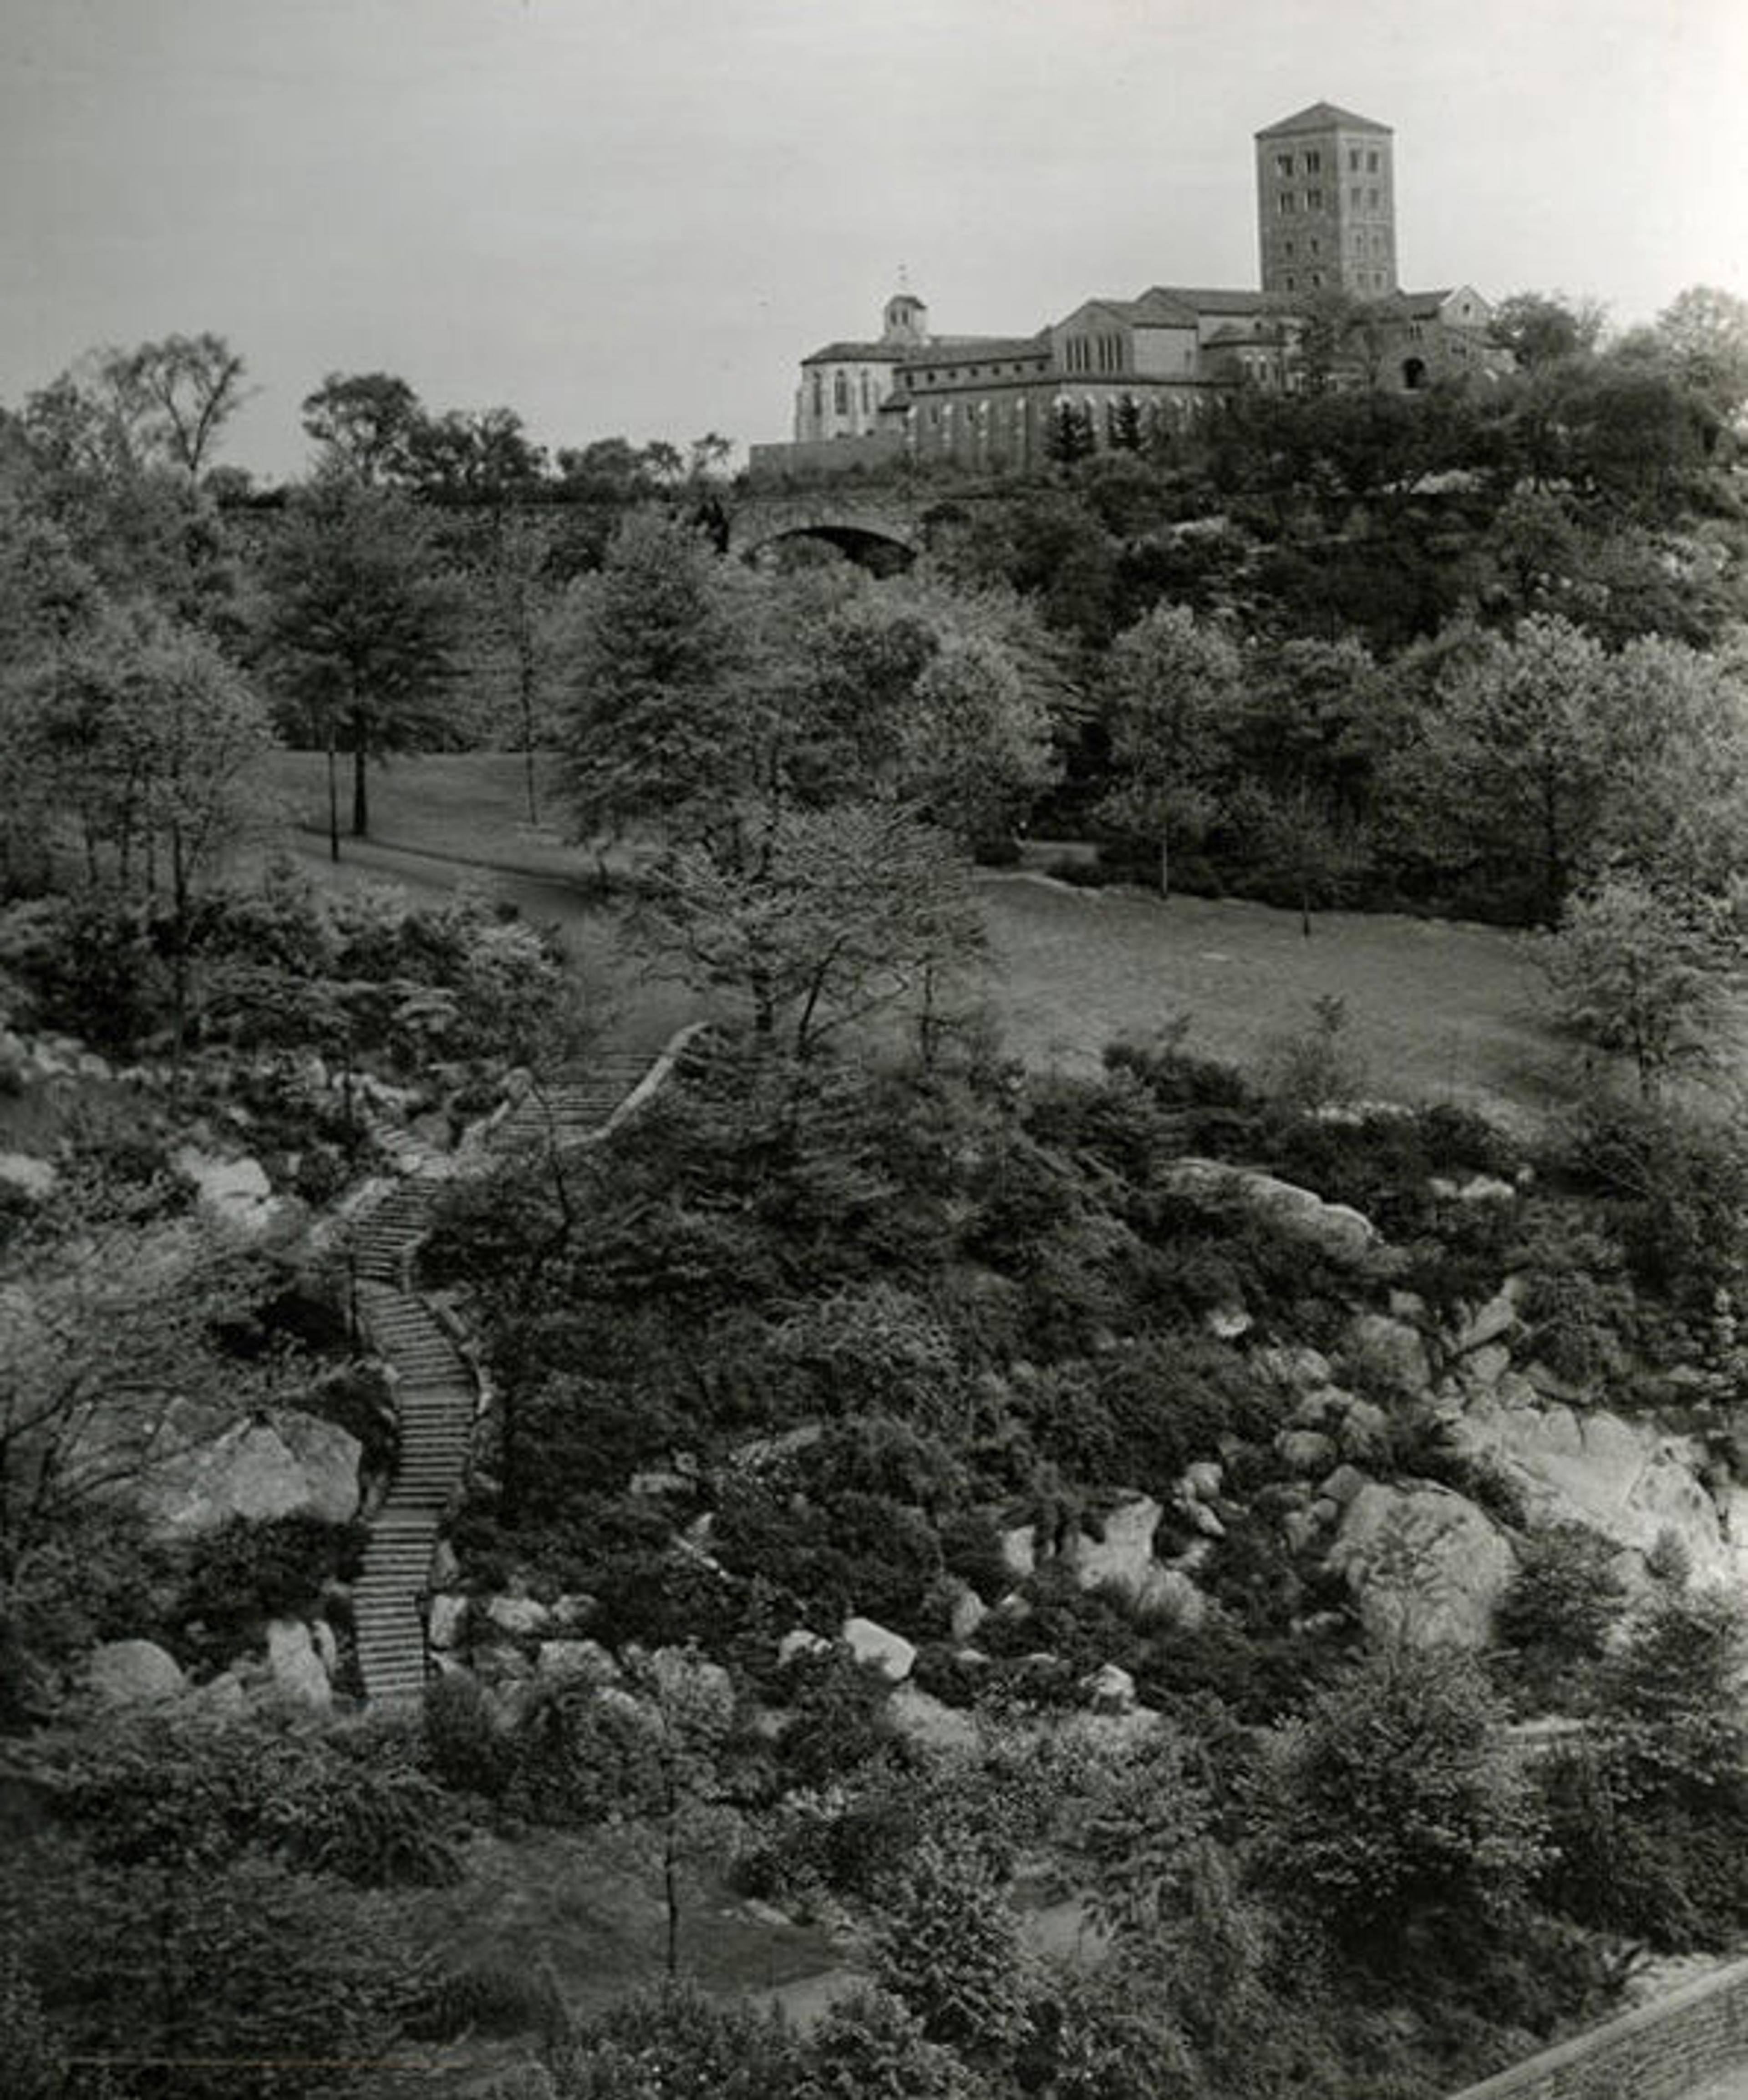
{"type": "Point", "coordinates": [1663, 2051]}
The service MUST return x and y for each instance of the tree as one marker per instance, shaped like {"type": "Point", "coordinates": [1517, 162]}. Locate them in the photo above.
{"type": "Point", "coordinates": [1171, 683]}
{"type": "Point", "coordinates": [1398, 1807]}
{"type": "Point", "coordinates": [1704, 331]}
{"type": "Point", "coordinates": [832, 916]}
{"type": "Point", "coordinates": [180, 392]}
{"type": "Point", "coordinates": [1514, 758]}
{"type": "Point", "coordinates": [1542, 328]}
{"type": "Point", "coordinates": [661, 722]}
{"type": "Point", "coordinates": [479, 456]}
{"type": "Point", "coordinates": [364, 423]}
{"type": "Point", "coordinates": [1632, 972]}
{"type": "Point", "coordinates": [357, 631]}
{"type": "Point", "coordinates": [949, 1949]}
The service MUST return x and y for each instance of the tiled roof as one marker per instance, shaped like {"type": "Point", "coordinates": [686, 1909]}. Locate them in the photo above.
{"type": "Point", "coordinates": [978, 348]}
{"type": "Point", "coordinates": [1201, 300]}
{"type": "Point", "coordinates": [858, 353]}
{"type": "Point", "coordinates": [1320, 116]}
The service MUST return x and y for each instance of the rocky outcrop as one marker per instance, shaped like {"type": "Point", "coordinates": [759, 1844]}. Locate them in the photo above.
{"type": "Point", "coordinates": [298, 1677]}
{"type": "Point", "coordinates": [1335, 1230]}
{"type": "Point", "coordinates": [891, 1654]}
{"type": "Point", "coordinates": [234, 1194]}
{"type": "Point", "coordinates": [1631, 1481]}
{"type": "Point", "coordinates": [275, 1463]}
{"type": "Point", "coordinates": [133, 1673]}
{"type": "Point", "coordinates": [1424, 1564]}
{"type": "Point", "coordinates": [30, 1176]}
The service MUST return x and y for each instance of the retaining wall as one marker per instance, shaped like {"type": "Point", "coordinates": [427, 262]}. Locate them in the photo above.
{"type": "Point", "coordinates": [1663, 2051]}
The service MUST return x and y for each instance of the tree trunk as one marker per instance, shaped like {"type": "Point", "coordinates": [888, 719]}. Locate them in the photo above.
{"type": "Point", "coordinates": [1165, 865]}
{"type": "Point", "coordinates": [333, 796]}
{"type": "Point", "coordinates": [526, 680]}
{"type": "Point", "coordinates": [360, 789]}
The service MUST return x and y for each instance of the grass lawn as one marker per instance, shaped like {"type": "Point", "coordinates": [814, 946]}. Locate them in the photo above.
{"type": "Point", "coordinates": [1434, 1011]}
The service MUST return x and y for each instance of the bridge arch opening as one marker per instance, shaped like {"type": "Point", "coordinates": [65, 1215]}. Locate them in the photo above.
{"type": "Point", "coordinates": [879, 552]}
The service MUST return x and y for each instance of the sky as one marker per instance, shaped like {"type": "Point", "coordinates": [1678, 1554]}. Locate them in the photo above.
{"type": "Point", "coordinates": [636, 216]}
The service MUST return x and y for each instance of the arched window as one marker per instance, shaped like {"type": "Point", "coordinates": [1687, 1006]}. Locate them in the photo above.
{"type": "Point", "coordinates": [840, 393]}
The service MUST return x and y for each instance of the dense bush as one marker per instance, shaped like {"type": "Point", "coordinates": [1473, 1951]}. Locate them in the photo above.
{"type": "Point", "coordinates": [246, 1574]}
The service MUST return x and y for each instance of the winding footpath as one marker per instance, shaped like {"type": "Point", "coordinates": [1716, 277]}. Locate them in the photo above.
{"type": "Point", "coordinates": [436, 1387]}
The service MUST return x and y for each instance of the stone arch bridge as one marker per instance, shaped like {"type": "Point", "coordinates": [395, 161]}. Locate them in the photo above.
{"type": "Point", "coordinates": [883, 528]}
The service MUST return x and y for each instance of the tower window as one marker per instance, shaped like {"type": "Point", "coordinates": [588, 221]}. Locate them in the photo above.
{"type": "Point", "coordinates": [1316, 247]}
{"type": "Point", "coordinates": [1292, 285]}
{"type": "Point", "coordinates": [1313, 164]}
{"type": "Point", "coordinates": [1353, 160]}
{"type": "Point", "coordinates": [1371, 162]}
{"type": "Point", "coordinates": [1313, 199]}
{"type": "Point", "coordinates": [1287, 247]}
{"type": "Point", "coordinates": [1372, 200]}
{"type": "Point", "coordinates": [1354, 194]}
{"type": "Point", "coordinates": [1283, 164]}
{"type": "Point", "coordinates": [1286, 202]}
{"type": "Point", "coordinates": [841, 394]}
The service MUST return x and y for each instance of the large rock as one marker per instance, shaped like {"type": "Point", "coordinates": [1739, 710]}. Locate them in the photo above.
{"type": "Point", "coordinates": [133, 1673]}
{"type": "Point", "coordinates": [1378, 1350]}
{"type": "Point", "coordinates": [445, 1619]}
{"type": "Point", "coordinates": [1123, 1559]}
{"type": "Point", "coordinates": [1424, 1564]}
{"type": "Point", "coordinates": [1335, 1230]}
{"type": "Point", "coordinates": [30, 1176]}
{"type": "Point", "coordinates": [232, 1193]}
{"type": "Point", "coordinates": [275, 1463]}
{"type": "Point", "coordinates": [891, 1652]}
{"type": "Point", "coordinates": [1630, 1481]}
{"type": "Point", "coordinates": [518, 1615]}
{"type": "Point", "coordinates": [296, 1668]}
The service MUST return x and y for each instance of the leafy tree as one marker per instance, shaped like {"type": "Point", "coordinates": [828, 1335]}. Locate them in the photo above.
{"type": "Point", "coordinates": [832, 916]}
{"type": "Point", "coordinates": [1541, 327]}
{"type": "Point", "coordinates": [472, 456]}
{"type": "Point", "coordinates": [872, 2046]}
{"type": "Point", "coordinates": [949, 1949]}
{"type": "Point", "coordinates": [673, 2039]}
{"type": "Point", "coordinates": [661, 719]}
{"type": "Point", "coordinates": [363, 422]}
{"type": "Point", "coordinates": [1632, 972]}
{"type": "Point", "coordinates": [181, 392]}
{"type": "Point", "coordinates": [1398, 1808]}
{"type": "Point", "coordinates": [1513, 753]}
{"type": "Point", "coordinates": [1170, 682]}
{"type": "Point", "coordinates": [357, 631]}
{"type": "Point", "coordinates": [1704, 331]}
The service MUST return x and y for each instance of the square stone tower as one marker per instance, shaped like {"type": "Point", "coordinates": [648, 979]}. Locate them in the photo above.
{"type": "Point", "coordinates": [1326, 204]}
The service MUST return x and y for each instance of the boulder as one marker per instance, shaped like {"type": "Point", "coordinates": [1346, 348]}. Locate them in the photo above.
{"type": "Point", "coordinates": [891, 1652]}
{"type": "Point", "coordinates": [327, 1647]}
{"type": "Point", "coordinates": [966, 1611]}
{"type": "Point", "coordinates": [801, 1640]}
{"type": "Point", "coordinates": [295, 1667]}
{"type": "Point", "coordinates": [30, 1176]}
{"type": "Point", "coordinates": [445, 1620]}
{"type": "Point", "coordinates": [1204, 1481]}
{"type": "Point", "coordinates": [1306, 1450]}
{"type": "Point", "coordinates": [1170, 1595]}
{"type": "Point", "coordinates": [222, 1698]}
{"type": "Point", "coordinates": [1630, 1481]}
{"type": "Point", "coordinates": [1019, 1551]}
{"type": "Point", "coordinates": [1494, 1320]}
{"type": "Point", "coordinates": [575, 1609]}
{"type": "Point", "coordinates": [1335, 1230]}
{"type": "Point", "coordinates": [1483, 1368]}
{"type": "Point", "coordinates": [1293, 1366]}
{"type": "Point", "coordinates": [275, 1463]}
{"type": "Point", "coordinates": [1363, 1430]}
{"type": "Point", "coordinates": [1423, 1565]}
{"type": "Point", "coordinates": [235, 1192]}
{"type": "Point", "coordinates": [572, 1659]}
{"type": "Point", "coordinates": [1109, 1689]}
{"type": "Point", "coordinates": [133, 1673]}
{"type": "Point", "coordinates": [930, 1723]}
{"type": "Point", "coordinates": [1227, 1323]}
{"type": "Point", "coordinates": [1123, 1558]}
{"type": "Point", "coordinates": [1387, 1351]}
{"type": "Point", "coordinates": [519, 1615]}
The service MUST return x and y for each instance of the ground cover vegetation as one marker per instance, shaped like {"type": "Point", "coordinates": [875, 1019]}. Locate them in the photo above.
{"type": "Point", "coordinates": [918, 1492]}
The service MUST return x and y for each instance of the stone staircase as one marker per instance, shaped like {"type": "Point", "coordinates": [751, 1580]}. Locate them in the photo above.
{"type": "Point", "coordinates": [436, 1387]}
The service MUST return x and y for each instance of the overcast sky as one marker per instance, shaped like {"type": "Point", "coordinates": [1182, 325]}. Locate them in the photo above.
{"type": "Point", "coordinates": [636, 215]}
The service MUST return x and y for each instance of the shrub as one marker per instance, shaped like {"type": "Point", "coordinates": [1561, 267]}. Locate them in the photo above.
{"type": "Point", "coordinates": [1555, 1619]}
{"type": "Point", "coordinates": [464, 1745]}
{"type": "Point", "coordinates": [949, 1949]}
{"type": "Point", "coordinates": [245, 1573]}
{"type": "Point", "coordinates": [872, 2046]}
{"type": "Point", "coordinates": [676, 2040]}
{"type": "Point", "coordinates": [1397, 1802]}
